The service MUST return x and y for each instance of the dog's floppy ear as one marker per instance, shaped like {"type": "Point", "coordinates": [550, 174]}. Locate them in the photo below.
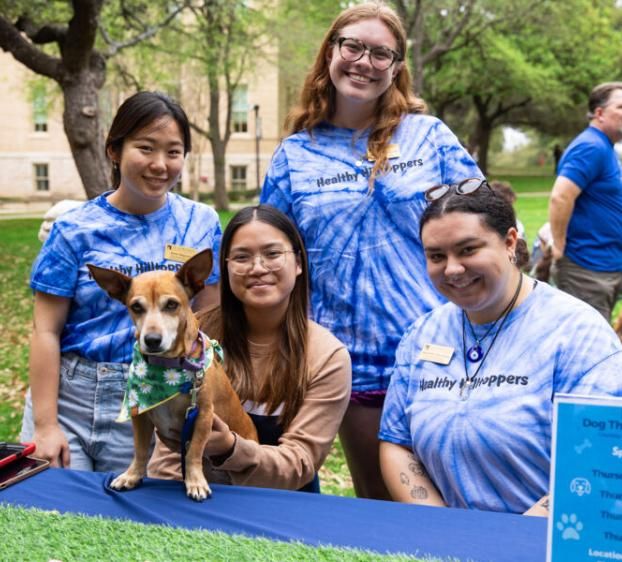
{"type": "Point", "coordinates": [195, 271]}
{"type": "Point", "coordinates": [114, 283]}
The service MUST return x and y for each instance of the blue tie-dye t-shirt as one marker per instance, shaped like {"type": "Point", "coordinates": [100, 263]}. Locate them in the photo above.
{"type": "Point", "coordinates": [98, 327]}
{"type": "Point", "coordinates": [492, 450]}
{"type": "Point", "coordinates": [368, 272]}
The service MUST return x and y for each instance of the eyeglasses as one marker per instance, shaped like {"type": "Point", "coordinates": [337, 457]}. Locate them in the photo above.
{"type": "Point", "coordinates": [352, 50]}
{"type": "Point", "coordinates": [465, 187]}
{"type": "Point", "coordinates": [272, 260]}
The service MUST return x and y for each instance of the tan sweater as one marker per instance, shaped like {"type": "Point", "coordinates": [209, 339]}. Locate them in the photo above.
{"type": "Point", "coordinates": [304, 445]}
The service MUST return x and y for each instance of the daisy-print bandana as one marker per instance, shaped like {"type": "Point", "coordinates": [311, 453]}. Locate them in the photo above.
{"type": "Point", "coordinates": [149, 386]}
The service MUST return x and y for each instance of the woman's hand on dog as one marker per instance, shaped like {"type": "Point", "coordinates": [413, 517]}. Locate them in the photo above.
{"type": "Point", "coordinates": [221, 439]}
{"type": "Point", "coordinates": [52, 445]}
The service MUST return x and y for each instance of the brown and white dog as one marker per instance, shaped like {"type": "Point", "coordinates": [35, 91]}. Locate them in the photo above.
{"type": "Point", "coordinates": [167, 330]}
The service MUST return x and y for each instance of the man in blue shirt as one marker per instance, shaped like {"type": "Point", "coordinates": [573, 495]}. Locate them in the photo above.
{"type": "Point", "coordinates": [585, 209]}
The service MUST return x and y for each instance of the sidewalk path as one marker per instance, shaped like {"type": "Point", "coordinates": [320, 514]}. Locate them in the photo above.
{"type": "Point", "coordinates": [36, 209]}
{"type": "Point", "coordinates": [24, 210]}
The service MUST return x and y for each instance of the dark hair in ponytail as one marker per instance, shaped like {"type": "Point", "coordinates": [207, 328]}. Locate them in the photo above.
{"type": "Point", "coordinates": [496, 212]}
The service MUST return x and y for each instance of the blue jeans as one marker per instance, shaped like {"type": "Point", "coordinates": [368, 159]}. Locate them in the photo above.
{"type": "Point", "coordinates": [90, 395]}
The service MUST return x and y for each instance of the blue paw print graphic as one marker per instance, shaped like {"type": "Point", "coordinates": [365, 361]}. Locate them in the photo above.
{"type": "Point", "coordinates": [570, 527]}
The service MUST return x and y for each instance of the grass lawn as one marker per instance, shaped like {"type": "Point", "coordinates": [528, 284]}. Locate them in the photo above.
{"type": "Point", "coordinates": [532, 211]}
{"type": "Point", "coordinates": [526, 184]}
{"type": "Point", "coordinates": [19, 248]}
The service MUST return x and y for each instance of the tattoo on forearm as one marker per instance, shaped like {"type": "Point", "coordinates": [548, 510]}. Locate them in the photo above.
{"type": "Point", "coordinates": [417, 468]}
{"type": "Point", "coordinates": [404, 479]}
{"type": "Point", "coordinates": [418, 493]}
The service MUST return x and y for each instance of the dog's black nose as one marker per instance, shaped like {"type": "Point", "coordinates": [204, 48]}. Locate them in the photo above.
{"type": "Point", "coordinates": [153, 342]}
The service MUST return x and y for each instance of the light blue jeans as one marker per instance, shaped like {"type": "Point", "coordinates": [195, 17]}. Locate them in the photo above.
{"type": "Point", "coordinates": [89, 400]}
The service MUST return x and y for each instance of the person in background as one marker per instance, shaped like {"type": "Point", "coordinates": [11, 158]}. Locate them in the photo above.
{"type": "Point", "coordinates": [82, 339]}
{"type": "Point", "coordinates": [292, 375]}
{"type": "Point", "coordinates": [542, 254]}
{"type": "Point", "coordinates": [352, 174]}
{"type": "Point", "coordinates": [504, 188]}
{"type": "Point", "coordinates": [585, 208]}
{"type": "Point", "coordinates": [467, 419]}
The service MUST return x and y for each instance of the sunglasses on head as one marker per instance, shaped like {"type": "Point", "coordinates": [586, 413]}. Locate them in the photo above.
{"type": "Point", "coordinates": [465, 187]}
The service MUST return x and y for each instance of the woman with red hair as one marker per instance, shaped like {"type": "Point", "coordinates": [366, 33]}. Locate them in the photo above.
{"type": "Point", "coordinates": [352, 175]}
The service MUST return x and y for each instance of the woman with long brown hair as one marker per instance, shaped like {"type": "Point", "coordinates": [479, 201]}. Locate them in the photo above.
{"type": "Point", "coordinates": [291, 374]}
{"type": "Point", "coordinates": [351, 174]}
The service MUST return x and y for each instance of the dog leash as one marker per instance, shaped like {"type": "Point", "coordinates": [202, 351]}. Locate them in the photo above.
{"type": "Point", "coordinates": [193, 410]}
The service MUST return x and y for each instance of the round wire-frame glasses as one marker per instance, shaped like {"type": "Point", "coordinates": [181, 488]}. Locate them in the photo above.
{"type": "Point", "coordinates": [352, 49]}
{"type": "Point", "coordinates": [271, 260]}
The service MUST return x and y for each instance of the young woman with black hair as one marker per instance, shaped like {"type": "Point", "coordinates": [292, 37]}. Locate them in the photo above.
{"type": "Point", "coordinates": [467, 419]}
{"type": "Point", "coordinates": [292, 375]}
{"type": "Point", "coordinates": [82, 339]}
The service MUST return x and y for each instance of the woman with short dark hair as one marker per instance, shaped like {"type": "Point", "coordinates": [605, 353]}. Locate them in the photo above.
{"type": "Point", "coordinates": [467, 419]}
{"type": "Point", "coordinates": [82, 339]}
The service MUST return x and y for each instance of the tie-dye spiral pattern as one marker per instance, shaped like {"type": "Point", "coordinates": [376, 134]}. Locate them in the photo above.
{"type": "Point", "coordinates": [368, 275]}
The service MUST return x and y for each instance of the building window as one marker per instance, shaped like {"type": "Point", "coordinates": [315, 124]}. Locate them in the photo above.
{"type": "Point", "coordinates": [239, 112]}
{"type": "Point", "coordinates": [40, 109]}
{"type": "Point", "coordinates": [42, 177]}
{"type": "Point", "coordinates": [238, 178]}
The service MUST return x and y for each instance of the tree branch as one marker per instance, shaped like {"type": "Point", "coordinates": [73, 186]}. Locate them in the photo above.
{"type": "Point", "coordinates": [52, 33]}
{"type": "Point", "coordinates": [12, 41]}
{"type": "Point", "coordinates": [199, 130]}
{"type": "Point", "coordinates": [114, 47]}
{"type": "Point", "coordinates": [505, 110]}
{"type": "Point", "coordinates": [450, 34]}
{"type": "Point", "coordinates": [80, 39]}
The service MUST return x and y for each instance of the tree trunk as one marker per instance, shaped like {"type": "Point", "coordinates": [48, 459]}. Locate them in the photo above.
{"type": "Point", "coordinates": [221, 198]}
{"type": "Point", "coordinates": [81, 121]}
{"type": "Point", "coordinates": [219, 146]}
{"type": "Point", "coordinates": [194, 173]}
{"type": "Point", "coordinates": [480, 139]}
{"type": "Point", "coordinates": [417, 52]}
{"type": "Point", "coordinates": [484, 132]}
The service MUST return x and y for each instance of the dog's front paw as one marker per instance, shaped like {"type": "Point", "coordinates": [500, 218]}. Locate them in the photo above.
{"type": "Point", "coordinates": [198, 489]}
{"type": "Point", "coordinates": [126, 481]}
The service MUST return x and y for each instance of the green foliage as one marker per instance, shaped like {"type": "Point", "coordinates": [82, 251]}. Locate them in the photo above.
{"type": "Point", "coordinates": [39, 11]}
{"type": "Point", "coordinates": [300, 28]}
{"type": "Point", "coordinates": [35, 535]}
{"type": "Point", "coordinates": [534, 65]}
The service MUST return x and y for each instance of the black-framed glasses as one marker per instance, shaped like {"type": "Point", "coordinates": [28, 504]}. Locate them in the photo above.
{"type": "Point", "coordinates": [241, 263]}
{"type": "Point", "coordinates": [381, 58]}
{"type": "Point", "coordinates": [465, 187]}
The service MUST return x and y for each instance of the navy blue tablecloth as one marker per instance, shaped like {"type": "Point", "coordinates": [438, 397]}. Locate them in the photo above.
{"type": "Point", "coordinates": [314, 519]}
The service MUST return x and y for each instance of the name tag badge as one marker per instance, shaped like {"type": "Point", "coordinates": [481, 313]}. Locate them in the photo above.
{"type": "Point", "coordinates": [440, 354]}
{"type": "Point", "coordinates": [181, 254]}
{"type": "Point", "coordinates": [393, 151]}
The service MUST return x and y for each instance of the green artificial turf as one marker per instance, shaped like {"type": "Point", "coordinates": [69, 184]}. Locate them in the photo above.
{"type": "Point", "coordinates": [35, 535]}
